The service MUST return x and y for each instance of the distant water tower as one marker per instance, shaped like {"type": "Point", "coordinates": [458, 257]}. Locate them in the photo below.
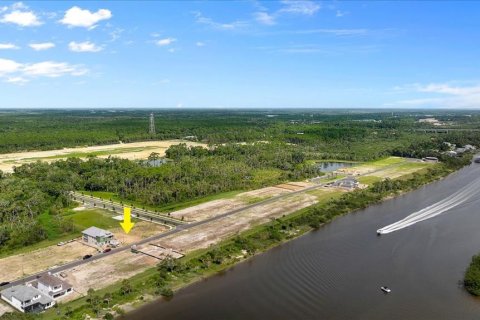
{"type": "Point", "coordinates": [151, 130]}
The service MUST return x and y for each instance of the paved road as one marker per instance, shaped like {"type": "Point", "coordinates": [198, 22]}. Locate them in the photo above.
{"type": "Point", "coordinates": [177, 229]}
{"type": "Point", "coordinates": [117, 207]}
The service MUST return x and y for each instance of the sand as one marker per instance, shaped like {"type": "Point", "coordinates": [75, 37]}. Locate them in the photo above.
{"type": "Point", "coordinates": [132, 151]}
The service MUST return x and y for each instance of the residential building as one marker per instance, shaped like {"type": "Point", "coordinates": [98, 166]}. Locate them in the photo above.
{"type": "Point", "coordinates": [52, 286]}
{"type": "Point", "coordinates": [27, 299]}
{"type": "Point", "coordinates": [349, 183]}
{"type": "Point", "coordinates": [98, 237]}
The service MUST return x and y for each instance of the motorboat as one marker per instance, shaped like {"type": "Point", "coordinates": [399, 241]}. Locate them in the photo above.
{"type": "Point", "coordinates": [379, 232]}
{"type": "Point", "coordinates": [386, 289]}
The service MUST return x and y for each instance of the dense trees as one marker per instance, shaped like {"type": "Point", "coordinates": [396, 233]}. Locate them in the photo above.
{"type": "Point", "coordinates": [249, 149]}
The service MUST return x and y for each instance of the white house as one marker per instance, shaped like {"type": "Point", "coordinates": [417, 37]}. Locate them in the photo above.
{"type": "Point", "coordinates": [52, 286]}
{"type": "Point", "coordinates": [27, 299]}
{"type": "Point", "coordinates": [98, 237]}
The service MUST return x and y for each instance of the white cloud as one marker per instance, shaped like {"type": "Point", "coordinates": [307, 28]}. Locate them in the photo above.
{"type": "Point", "coordinates": [200, 44]}
{"type": "Point", "coordinates": [445, 95]}
{"type": "Point", "coordinates": [77, 17]}
{"type": "Point", "coordinates": [8, 66]}
{"type": "Point", "coordinates": [8, 46]}
{"type": "Point", "coordinates": [200, 18]}
{"type": "Point", "coordinates": [303, 7]}
{"type": "Point", "coordinates": [52, 69]}
{"type": "Point", "coordinates": [41, 46]}
{"type": "Point", "coordinates": [85, 46]}
{"type": "Point", "coordinates": [21, 18]}
{"type": "Point", "coordinates": [17, 80]}
{"type": "Point", "coordinates": [165, 42]}
{"type": "Point", "coordinates": [20, 73]}
{"type": "Point", "coordinates": [265, 18]}
{"type": "Point", "coordinates": [340, 13]}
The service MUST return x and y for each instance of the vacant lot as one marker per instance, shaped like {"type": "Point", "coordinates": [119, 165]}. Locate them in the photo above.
{"type": "Point", "coordinates": [101, 273]}
{"type": "Point", "coordinates": [217, 207]}
{"type": "Point", "coordinates": [213, 232]}
{"type": "Point", "coordinates": [132, 151]}
{"type": "Point", "coordinates": [17, 266]}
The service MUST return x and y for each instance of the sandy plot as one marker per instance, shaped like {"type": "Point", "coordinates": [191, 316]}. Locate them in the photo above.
{"type": "Point", "coordinates": [132, 151]}
{"type": "Point", "coordinates": [101, 273]}
{"type": "Point", "coordinates": [397, 172]}
{"type": "Point", "coordinates": [290, 186]}
{"type": "Point", "coordinates": [17, 266]}
{"type": "Point", "coordinates": [264, 192]}
{"type": "Point", "coordinates": [4, 308]}
{"type": "Point", "coordinates": [205, 235]}
{"type": "Point", "coordinates": [207, 209]}
{"type": "Point", "coordinates": [141, 230]}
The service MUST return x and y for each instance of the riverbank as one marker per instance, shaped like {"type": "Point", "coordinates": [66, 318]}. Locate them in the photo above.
{"type": "Point", "coordinates": [173, 275]}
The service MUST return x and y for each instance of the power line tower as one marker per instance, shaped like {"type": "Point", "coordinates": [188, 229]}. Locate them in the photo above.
{"type": "Point", "coordinates": [151, 130]}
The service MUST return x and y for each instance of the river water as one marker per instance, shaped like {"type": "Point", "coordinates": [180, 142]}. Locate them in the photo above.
{"type": "Point", "coordinates": [336, 272]}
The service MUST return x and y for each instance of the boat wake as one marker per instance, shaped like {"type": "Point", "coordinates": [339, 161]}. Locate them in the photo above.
{"type": "Point", "coordinates": [454, 200]}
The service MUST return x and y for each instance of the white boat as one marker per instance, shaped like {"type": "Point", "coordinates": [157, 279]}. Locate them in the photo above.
{"type": "Point", "coordinates": [379, 231]}
{"type": "Point", "coordinates": [386, 289]}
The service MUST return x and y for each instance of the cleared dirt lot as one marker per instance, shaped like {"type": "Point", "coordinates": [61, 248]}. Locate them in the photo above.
{"type": "Point", "coordinates": [205, 235]}
{"type": "Point", "coordinates": [140, 231]}
{"type": "Point", "coordinates": [100, 273]}
{"type": "Point", "coordinates": [132, 151]}
{"type": "Point", "coordinates": [4, 308]}
{"type": "Point", "coordinates": [218, 207]}
{"type": "Point", "coordinates": [17, 266]}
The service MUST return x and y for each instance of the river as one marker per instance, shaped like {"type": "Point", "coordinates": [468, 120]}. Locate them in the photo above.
{"type": "Point", "coordinates": [336, 272]}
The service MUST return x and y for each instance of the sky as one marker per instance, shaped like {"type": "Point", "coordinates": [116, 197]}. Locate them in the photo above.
{"type": "Point", "coordinates": [240, 54]}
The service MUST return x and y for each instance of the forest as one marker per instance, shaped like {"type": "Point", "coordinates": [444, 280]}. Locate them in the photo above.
{"type": "Point", "coordinates": [248, 150]}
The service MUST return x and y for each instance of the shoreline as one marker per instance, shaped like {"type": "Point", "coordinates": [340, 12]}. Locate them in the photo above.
{"type": "Point", "coordinates": [226, 268]}
{"type": "Point", "coordinates": [192, 269]}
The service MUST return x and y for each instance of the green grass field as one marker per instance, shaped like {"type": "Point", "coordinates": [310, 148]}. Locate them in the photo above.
{"type": "Point", "coordinates": [94, 217]}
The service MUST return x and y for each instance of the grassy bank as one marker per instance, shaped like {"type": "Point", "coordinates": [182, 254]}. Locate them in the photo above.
{"type": "Point", "coordinates": [173, 274]}
{"type": "Point", "coordinates": [472, 276]}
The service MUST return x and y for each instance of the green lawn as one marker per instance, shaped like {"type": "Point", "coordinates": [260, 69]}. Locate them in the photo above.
{"type": "Point", "coordinates": [95, 217]}
{"type": "Point", "coordinates": [368, 180]}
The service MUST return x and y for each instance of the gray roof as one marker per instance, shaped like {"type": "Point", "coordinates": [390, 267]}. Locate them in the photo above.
{"type": "Point", "coordinates": [96, 232]}
{"type": "Point", "coordinates": [52, 281]}
{"type": "Point", "coordinates": [24, 293]}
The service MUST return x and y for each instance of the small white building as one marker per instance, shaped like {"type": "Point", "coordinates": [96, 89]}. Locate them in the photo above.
{"type": "Point", "coordinates": [27, 299]}
{"type": "Point", "coordinates": [348, 183]}
{"type": "Point", "coordinates": [52, 286]}
{"type": "Point", "coordinates": [98, 237]}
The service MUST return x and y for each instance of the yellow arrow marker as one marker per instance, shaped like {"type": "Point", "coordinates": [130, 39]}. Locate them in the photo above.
{"type": "Point", "coordinates": [127, 224]}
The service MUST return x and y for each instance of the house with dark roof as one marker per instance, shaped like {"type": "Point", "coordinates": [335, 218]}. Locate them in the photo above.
{"type": "Point", "coordinates": [27, 299]}
{"type": "Point", "coordinates": [52, 286]}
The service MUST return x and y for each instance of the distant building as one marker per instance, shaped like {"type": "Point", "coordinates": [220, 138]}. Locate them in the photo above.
{"type": "Point", "coordinates": [430, 159]}
{"type": "Point", "coordinates": [27, 299]}
{"type": "Point", "coordinates": [451, 153]}
{"type": "Point", "coordinates": [98, 237]}
{"type": "Point", "coordinates": [469, 147]}
{"type": "Point", "coordinates": [349, 183]}
{"type": "Point", "coordinates": [52, 286]}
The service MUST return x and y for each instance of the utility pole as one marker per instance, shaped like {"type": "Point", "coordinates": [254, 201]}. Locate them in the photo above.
{"type": "Point", "coordinates": [151, 130]}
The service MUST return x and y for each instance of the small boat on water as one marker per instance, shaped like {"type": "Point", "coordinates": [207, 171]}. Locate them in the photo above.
{"type": "Point", "coordinates": [386, 289]}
